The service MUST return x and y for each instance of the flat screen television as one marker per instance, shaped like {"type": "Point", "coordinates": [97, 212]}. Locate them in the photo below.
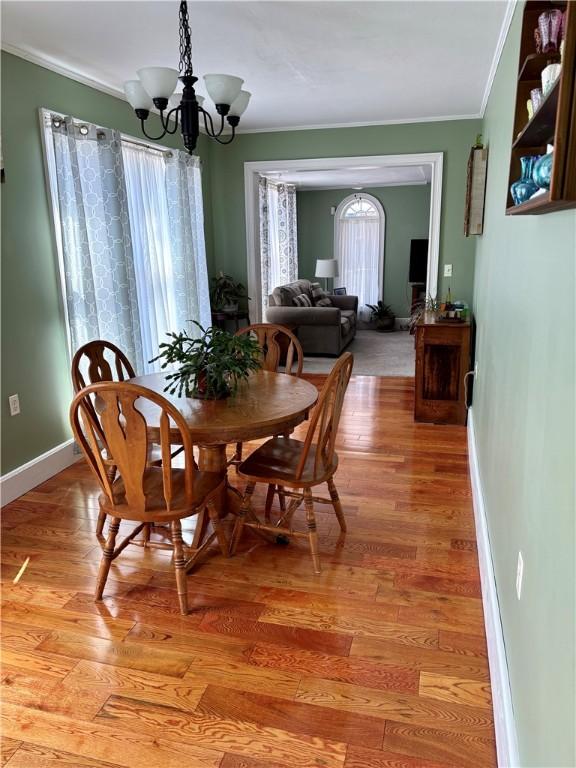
{"type": "Point", "coordinates": [418, 261]}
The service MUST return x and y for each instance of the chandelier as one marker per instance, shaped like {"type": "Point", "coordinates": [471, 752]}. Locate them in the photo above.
{"type": "Point", "coordinates": [156, 86]}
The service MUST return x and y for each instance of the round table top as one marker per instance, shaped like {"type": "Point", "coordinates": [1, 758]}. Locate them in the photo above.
{"type": "Point", "coordinates": [265, 404]}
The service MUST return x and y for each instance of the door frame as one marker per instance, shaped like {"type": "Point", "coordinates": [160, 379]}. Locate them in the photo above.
{"type": "Point", "coordinates": [253, 169]}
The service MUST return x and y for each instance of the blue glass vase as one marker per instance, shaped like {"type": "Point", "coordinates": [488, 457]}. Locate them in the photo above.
{"type": "Point", "coordinates": [542, 172]}
{"type": "Point", "coordinates": [524, 188]}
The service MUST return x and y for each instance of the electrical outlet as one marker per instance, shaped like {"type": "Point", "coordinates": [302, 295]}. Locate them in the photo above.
{"type": "Point", "coordinates": [14, 403]}
{"type": "Point", "coordinates": [447, 270]}
{"type": "Point", "coordinates": [519, 575]}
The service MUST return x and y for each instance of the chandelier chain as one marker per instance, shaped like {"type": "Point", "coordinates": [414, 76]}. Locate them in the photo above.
{"type": "Point", "coordinates": [185, 66]}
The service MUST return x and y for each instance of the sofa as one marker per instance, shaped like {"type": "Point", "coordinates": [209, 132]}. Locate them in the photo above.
{"type": "Point", "coordinates": [321, 330]}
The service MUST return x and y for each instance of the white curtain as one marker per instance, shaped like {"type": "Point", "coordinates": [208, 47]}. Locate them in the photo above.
{"type": "Point", "coordinates": [164, 193]}
{"type": "Point", "coordinates": [129, 230]}
{"type": "Point", "coordinates": [359, 261]}
{"type": "Point", "coordinates": [278, 236]}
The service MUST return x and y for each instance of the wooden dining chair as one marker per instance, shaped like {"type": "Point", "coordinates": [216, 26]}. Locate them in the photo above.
{"type": "Point", "coordinates": [141, 492]}
{"type": "Point", "coordinates": [97, 361]}
{"type": "Point", "coordinates": [281, 353]}
{"type": "Point", "coordinates": [299, 464]}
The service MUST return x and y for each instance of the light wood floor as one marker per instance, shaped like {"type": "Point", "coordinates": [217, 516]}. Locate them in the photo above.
{"type": "Point", "coordinates": [378, 662]}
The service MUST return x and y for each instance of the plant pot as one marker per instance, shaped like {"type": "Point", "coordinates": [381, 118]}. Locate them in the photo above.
{"type": "Point", "coordinates": [385, 324]}
{"type": "Point", "coordinates": [201, 391]}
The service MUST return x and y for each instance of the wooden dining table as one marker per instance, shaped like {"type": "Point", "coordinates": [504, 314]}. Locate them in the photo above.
{"type": "Point", "coordinates": [264, 405]}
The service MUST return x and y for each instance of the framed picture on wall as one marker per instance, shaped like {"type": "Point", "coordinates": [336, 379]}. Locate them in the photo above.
{"type": "Point", "coordinates": [339, 291]}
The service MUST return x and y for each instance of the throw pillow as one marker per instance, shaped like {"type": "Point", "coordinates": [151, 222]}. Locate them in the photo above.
{"type": "Point", "coordinates": [319, 296]}
{"type": "Point", "coordinates": [301, 301]}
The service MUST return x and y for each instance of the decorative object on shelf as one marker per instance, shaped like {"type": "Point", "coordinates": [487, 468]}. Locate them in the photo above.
{"type": "Point", "coordinates": [530, 109]}
{"type": "Point", "coordinates": [524, 188]}
{"type": "Point", "coordinates": [536, 98]}
{"type": "Point", "coordinates": [382, 315]}
{"type": "Point", "coordinates": [211, 366]}
{"type": "Point", "coordinates": [538, 40]}
{"type": "Point", "coordinates": [326, 268]}
{"type": "Point", "coordinates": [542, 171]}
{"type": "Point", "coordinates": [226, 293]}
{"type": "Point", "coordinates": [549, 76]}
{"type": "Point", "coordinates": [475, 189]}
{"type": "Point", "coordinates": [156, 86]}
{"type": "Point", "coordinates": [549, 25]}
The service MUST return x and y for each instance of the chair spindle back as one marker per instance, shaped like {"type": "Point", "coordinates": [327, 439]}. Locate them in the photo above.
{"type": "Point", "coordinates": [273, 340]}
{"type": "Point", "coordinates": [325, 419]}
{"type": "Point", "coordinates": [93, 363]}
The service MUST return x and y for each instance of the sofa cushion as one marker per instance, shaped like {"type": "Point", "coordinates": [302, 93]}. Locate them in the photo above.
{"type": "Point", "coordinates": [302, 300]}
{"type": "Point", "coordinates": [345, 325]}
{"type": "Point", "coordinates": [350, 315]}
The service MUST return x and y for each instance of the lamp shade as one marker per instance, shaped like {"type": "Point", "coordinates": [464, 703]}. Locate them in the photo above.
{"type": "Point", "coordinates": [158, 82]}
{"type": "Point", "coordinates": [238, 106]}
{"type": "Point", "coordinates": [223, 89]}
{"type": "Point", "coordinates": [136, 95]}
{"type": "Point", "coordinates": [326, 268]}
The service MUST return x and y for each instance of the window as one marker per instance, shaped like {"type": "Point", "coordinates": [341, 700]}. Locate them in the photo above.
{"type": "Point", "coordinates": [130, 235]}
{"type": "Point", "coordinates": [359, 248]}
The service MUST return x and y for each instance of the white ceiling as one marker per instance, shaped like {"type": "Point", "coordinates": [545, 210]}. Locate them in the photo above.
{"type": "Point", "coordinates": [355, 176]}
{"type": "Point", "coordinates": [307, 64]}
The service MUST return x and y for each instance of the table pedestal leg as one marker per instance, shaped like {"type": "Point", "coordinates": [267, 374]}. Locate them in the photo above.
{"type": "Point", "coordinates": [213, 459]}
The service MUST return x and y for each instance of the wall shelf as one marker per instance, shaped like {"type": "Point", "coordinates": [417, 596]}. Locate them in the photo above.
{"type": "Point", "coordinates": [555, 120]}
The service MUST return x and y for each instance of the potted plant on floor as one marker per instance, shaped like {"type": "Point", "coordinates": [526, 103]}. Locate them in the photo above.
{"type": "Point", "coordinates": [383, 316]}
{"type": "Point", "coordinates": [211, 366]}
{"type": "Point", "coordinates": [226, 293]}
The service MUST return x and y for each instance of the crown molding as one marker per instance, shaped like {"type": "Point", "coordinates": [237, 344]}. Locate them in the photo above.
{"type": "Point", "coordinates": [326, 126]}
{"type": "Point", "coordinates": [54, 66]}
{"type": "Point", "coordinates": [504, 29]}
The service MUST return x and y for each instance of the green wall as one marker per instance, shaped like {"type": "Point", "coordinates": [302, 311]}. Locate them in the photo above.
{"type": "Point", "coordinates": [34, 349]}
{"type": "Point", "coordinates": [407, 213]}
{"type": "Point", "coordinates": [454, 138]}
{"type": "Point", "coordinates": [524, 422]}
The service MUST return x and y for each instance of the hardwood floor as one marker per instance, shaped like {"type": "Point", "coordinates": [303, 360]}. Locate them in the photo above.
{"type": "Point", "coordinates": [379, 662]}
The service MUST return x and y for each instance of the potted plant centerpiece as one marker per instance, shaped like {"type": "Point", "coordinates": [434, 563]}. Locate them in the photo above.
{"type": "Point", "coordinates": [383, 316]}
{"type": "Point", "coordinates": [211, 366]}
{"type": "Point", "coordinates": [226, 293]}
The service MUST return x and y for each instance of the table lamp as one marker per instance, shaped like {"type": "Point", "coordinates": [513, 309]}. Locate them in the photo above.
{"type": "Point", "coordinates": [326, 268]}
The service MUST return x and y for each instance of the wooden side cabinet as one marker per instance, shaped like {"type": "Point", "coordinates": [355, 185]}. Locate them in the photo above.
{"type": "Point", "coordinates": [442, 359]}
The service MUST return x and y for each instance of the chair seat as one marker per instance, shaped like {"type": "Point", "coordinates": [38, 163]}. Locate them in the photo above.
{"type": "Point", "coordinates": [278, 459]}
{"type": "Point", "coordinates": [205, 484]}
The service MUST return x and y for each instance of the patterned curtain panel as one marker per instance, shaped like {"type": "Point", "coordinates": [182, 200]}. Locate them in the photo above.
{"type": "Point", "coordinates": [131, 234]}
{"type": "Point", "coordinates": [97, 260]}
{"type": "Point", "coordinates": [186, 225]}
{"type": "Point", "coordinates": [278, 236]}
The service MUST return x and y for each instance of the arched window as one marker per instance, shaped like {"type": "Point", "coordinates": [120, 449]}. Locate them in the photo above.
{"type": "Point", "coordinates": [359, 248]}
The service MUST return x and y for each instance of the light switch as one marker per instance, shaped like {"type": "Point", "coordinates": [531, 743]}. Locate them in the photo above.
{"type": "Point", "coordinates": [447, 270]}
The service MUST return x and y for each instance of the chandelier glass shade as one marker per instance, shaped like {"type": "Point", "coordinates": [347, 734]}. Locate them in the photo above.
{"type": "Point", "coordinates": [155, 88]}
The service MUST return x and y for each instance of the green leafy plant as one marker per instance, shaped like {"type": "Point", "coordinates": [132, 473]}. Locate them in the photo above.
{"type": "Point", "coordinates": [210, 366]}
{"type": "Point", "coordinates": [225, 292]}
{"type": "Point", "coordinates": [383, 315]}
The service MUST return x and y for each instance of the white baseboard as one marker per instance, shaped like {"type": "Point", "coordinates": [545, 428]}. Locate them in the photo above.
{"type": "Point", "coordinates": [504, 724]}
{"type": "Point", "coordinates": [23, 479]}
